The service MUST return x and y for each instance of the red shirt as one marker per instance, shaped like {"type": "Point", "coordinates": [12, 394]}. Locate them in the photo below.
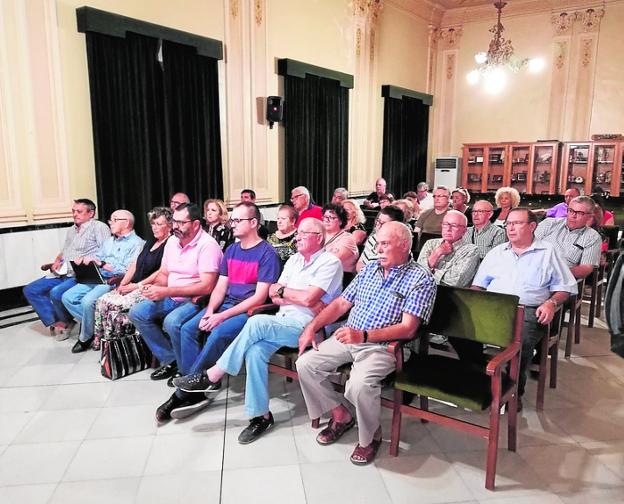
{"type": "Point", "coordinates": [314, 211]}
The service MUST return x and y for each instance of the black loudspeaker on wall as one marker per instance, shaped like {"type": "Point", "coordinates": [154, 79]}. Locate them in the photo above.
{"type": "Point", "coordinates": [274, 109]}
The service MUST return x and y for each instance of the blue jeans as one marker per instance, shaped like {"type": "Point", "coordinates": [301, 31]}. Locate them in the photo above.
{"type": "Point", "coordinates": [146, 317]}
{"type": "Point", "coordinates": [262, 336]}
{"type": "Point", "coordinates": [44, 295]}
{"type": "Point", "coordinates": [80, 302]}
{"type": "Point", "coordinates": [193, 357]}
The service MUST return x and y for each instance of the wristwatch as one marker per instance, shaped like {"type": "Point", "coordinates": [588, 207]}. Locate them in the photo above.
{"type": "Point", "coordinates": [280, 291]}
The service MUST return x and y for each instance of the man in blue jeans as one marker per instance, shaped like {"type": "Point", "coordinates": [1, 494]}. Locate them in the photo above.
{"type": "Point", "coordinates": [113, 259]}
{"type": "Point", "coordinates": [84, 238]}
{"type": "Point", "coordinates": [188, 270]}
{"type": "Point", "coordinates": [249, 267]}
{"type": "Point", "coordinates": [311, 279]}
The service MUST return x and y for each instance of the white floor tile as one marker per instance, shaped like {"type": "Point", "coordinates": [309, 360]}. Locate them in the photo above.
{"type": "Point", "coordinates": [52, 355]}
{"type": "Point", "coordinates": [24, 399]}
{"type": "Point", "coordinates": [29, 376]}
{"type": "Point", "coordinates": [186, 453]}
{"type": "Point", "coordinates": [109, 458]}
{"type": "Point", "coordinates": [35, 463]}
{"type": "Point", "coordinates": [133, 393]}
{"type": "Point", "coordinates": [264, 485]}
{"type": "Point", "coordinates": [123, 421]}
{"type": "Point", "coordinates": [190, 488]}
{"type": "Point", "coordinates": [117, 491]}
{"type": "Point", "coordinates": [26, 494]}
{"type": "Point", "coordinates": [610, 454]}
{"type": "Point", "coordinates": [84, 373]}
{"type": "Point", "coordinates": [58, 425]}
{"type": "Point", "coordinates": [11, 424]}
{"type": "Point", "coordinates": [88, 395]}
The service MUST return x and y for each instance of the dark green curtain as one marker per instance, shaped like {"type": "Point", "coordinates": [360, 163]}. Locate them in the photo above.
{"type": "Point", "coordinates": [155, 127]}
{"type": "Point", "coordinates": [405, 136]}
{"type": "Point", "coordinates": [316, 121]}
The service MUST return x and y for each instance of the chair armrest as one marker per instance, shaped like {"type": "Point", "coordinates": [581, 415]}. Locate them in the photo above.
{"type": "Point", "coordinates": [395, 346]}
{"type": "Point", "coordinates": [501, 358]}
{"type": "Point", "coordinates": [263, 308]}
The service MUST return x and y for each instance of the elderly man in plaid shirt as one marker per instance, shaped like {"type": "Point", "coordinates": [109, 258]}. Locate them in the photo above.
{"type": "Point", "coordinates": [388, 300]}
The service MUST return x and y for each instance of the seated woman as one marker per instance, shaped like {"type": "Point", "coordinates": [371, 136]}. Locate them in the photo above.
{"type": "Point", "coordinates": [607, 218]}
{"type": "Point", "coordinates": [507, 198]}
{"type": "Point", "coordinates": [338, 241]}
{"type": "Point", "coordinates": [355, 221]}
{"type": "Point", "coordinates": [216, 217]}
{"type": "Point", "coordinates": [460, 198]}
{"type": "Point", "coordinates": [283, 240]}
{"type": "Point", "coordinates": [111, 310]}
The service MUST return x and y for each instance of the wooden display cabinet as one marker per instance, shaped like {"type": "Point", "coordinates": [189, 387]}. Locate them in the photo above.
{"type": "Point", "coordinates": [606, 166]}
{"type": "Point", "coordinates": [521, 167]}
{"type": "Point", "coordinates": [576, 167]}
{"type": "Point", "coordinates": [484, 167]}
{"type": "Point", "coordinates": [544, 167]}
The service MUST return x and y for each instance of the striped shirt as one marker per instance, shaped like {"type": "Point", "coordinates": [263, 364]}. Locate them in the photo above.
{"type": "Point", "coordinates": [576, 246]}
{"type": "Point", "coordinates": [85, 240]}
{"type": "Point", "coordinates": [370, 249]}
{"type": "Point", "coordinates": [486, 239]}
{"type": "Point", "coordinates": [456, 269]}
{"type": "Point", "coordinates": [380, 301]}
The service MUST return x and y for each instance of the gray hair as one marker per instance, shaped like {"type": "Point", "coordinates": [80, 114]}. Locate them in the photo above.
{"type": "Point", "coordinates": [343, 191]}
{"type": "Point", "coordinates": [585, 200]}
{"type": "Point", "coordinates": [302, 190]}
{"type": "Point", "coordinates": [443, 188]}
{"type": "Point", "coordinates": [422, 186]}
{"type": "Point", "coordinates": [157, 212]}
{"type": "Point", "coordinates": [457, 212]}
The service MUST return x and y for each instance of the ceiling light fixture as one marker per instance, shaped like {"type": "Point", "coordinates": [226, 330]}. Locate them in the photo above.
{"type": "Point", "coordinates": [499, 60]}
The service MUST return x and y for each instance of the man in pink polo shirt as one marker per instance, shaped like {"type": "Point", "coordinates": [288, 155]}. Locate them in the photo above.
{"type": "Point", "coordinates": [300, 199]}
{"type": "Point", "coordinates": [189, 269]}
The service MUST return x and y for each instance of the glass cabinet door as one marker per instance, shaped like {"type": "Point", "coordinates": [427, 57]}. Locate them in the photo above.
{"type": "Point", "coordinates": [544, 171]}
{"type": "Point", "coordinates": [520, 155]}
{"type": "Point", "coordinates": [474, 168]}
{"type": "Point", "coordinates": [496, 168]}
{"type": "Point", "coordinates": [604, 162]}
{"type": "Point", "coordinates": [576, 162]}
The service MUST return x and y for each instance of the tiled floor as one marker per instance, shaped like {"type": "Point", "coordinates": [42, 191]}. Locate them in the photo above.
{"type": "Point", "coordinates": [67, 435]}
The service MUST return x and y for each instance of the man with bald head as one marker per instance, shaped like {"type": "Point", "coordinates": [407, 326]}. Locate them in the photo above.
{"type": "Point", "coordinates": [560, 210]}
{"type": "Point", "coordinates": [388, 300]}
{"type": "Point", "coordinates": [178, 199]}
{"type": "Point", "coordinates": [113, 259]}
{"type": "Point", "coordinates": [300, 200]}
{"type": "Point", "coordinates": [372, 200]}
{"type": "Point", "coordinates": [311, 279]}
{"type": "Point", "coordinates": [483, 233]}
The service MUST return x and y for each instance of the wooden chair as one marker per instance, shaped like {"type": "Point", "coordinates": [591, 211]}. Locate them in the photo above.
{"type": "Point", "coordinates": [573, 304]}
{"type": "Point", "coordinates": [549, 347]}
{"type": "Point", "coordinates": [595, 281]}
{"type": "Point", "coordinates": [484, 317]}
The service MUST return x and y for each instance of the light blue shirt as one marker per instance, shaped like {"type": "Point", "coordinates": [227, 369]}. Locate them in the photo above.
{"type": "Point", "coordinates": [120, 252]}
{"type": "Point", "coordinates": [532, 276]}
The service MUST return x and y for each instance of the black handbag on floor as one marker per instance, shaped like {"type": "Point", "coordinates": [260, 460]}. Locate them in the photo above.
{"type": "Point", "coordinates": [124, 356]}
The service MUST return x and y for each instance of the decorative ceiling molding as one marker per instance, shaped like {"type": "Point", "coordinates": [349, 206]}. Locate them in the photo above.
{"type": "Point", "coordinates": [588, 19]}
{"type": "Point", "coordinates": [426, 10]}
{"type": "Point", "coordinates": [518, 8]}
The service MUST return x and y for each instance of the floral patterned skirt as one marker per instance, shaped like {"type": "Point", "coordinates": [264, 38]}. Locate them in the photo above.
{"type": "Point", "coordinates": [111, 315]}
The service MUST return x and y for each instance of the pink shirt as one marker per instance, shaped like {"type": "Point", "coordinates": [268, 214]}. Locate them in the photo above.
{"type": "Point", "coordinates": [344, 241]}
{"type": "Point", "coordinates": [185, 264]}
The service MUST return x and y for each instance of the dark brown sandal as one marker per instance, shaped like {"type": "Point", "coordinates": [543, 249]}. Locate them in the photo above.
{"type": "Point", "coordinates": [334, 431]}
{"type": "Point", "coordinates": [363, 455]}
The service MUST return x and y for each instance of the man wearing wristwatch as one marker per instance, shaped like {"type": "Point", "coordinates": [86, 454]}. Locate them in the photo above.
{"type": "Point", "coordinates": [532, 270]}
{"type": "Point", "coordinates": [388, 300]}
{"type": "Point", "coordinates": [113, 259]}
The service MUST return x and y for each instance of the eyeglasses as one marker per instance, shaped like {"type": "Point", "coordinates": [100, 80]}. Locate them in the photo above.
{"type": "Point", "coordinates": [379, 222]}
{"type": "Point", "coordinates": [295, 196]}
{"type": "Point", "coordinates": [238, 221]}
{"type": "Point", "coordinates": [577, 213]}
{"type": "Point", "coordinates": [481, 211]}
{"type": "Point", "coordinates": [175, 203]}
{"type": "Point", "coordinates": [306, 234]}
{"type": "Point", "coordinates": [515, 223]}
{"type": "Point", "coordinates": [330, 217]}
{"type": "Point", "coordinates": [180, 222]}
{"type": "Point", "coordinates": [454, 227]}
{"type": "Point", "coordinates": [116, 219]}
{"type": "Point", "coordinates": [440, 196]}
{"type": "Point", "coordinates": [158, 224]}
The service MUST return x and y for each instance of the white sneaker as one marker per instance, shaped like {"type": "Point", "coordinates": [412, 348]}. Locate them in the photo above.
{"type": "Point", "coordinates": [191, 407]}
{"type": "Point", "coordinates": [63, 334]}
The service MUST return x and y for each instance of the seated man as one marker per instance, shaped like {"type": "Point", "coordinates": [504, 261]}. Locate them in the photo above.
{"type": "Point", "coordinates": [385, 215]}
{"type": "Point", "coordinates": [178, 199]}
{"type": "Point", "coordinates": [188, 270]}
{"type": "Point", "coordinates": [118, 252]}
{"type": "Point", "coordinates": [483, 233]}
{"type": "Point", "coordinates": [450, 260]}
{"type": "Point", "coordinates": [578, 244]}
{"type": "Point", "coordinates": [532, 270]}
{"type": "Point", "coordinates": [300, 199]}
{"type": "Point", "coordinates": [430, 221]}
{"type": "Point", "coordinates": [388, 299]}
{"type": "Point", "coordinates": [340, 195]}
{"type": "Point", "coordinates": [248, 269]}
{"type": "Point", "coordinates": [84, 239]}
{"type": "Point", "coordinates": [311, 278]}
{"type": "Point", "coordinates": [372, 200]}
{"type": "Point", "coordinates": [425, 198]}
{"type": "Point", "coordinates": [560, 210]}
{"type": "Point", "coordinates": [249, 195]}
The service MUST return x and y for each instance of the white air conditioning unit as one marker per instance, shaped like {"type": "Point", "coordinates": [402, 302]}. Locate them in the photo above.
{"type": "Point", "coordinates": [447, 172]}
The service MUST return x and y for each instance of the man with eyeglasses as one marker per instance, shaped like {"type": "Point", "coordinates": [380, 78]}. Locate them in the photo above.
{"type": "Point", "coordinates": [178, 199]}
{"type": "Point", "coordinates": [118, 252]}
{"type": "Point", "coordinates": [483, 233]}
{"type": "Point", "coordinates": [249, 196]}
{"type": "Point", "coordinates": [188, 270]}
{"type": "Point", "coordinates": [385, 215]}
{"type": "Point", "coordinates": [430, 221]}
{"type": "Point", "coordinates": [300, 199]}
{"type": "Point", "coordinates": [578, 244]}
{"type": "Point", "coordinates": [425, 198]}
{"type": "Point", "coordinates": [450, 260]}
{"type": "Point", "coordinates": [560, 210]}
{"type": "Point", "coordinates": [532, 270]}
{"type": "Point", "coordinates": [84, 239]}
{"type": "Point", "coordinates": [311, 279]}
{"type": "Point", "coordinates": [249, 267]}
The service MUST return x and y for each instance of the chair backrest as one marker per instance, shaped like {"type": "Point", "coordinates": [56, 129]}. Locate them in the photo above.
{"type": "Point", "coordinates": [611, 234]}
{"type": "Point", "coordinates": [486, 317]}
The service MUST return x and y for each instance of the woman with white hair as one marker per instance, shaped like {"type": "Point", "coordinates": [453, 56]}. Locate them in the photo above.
{"type": "Point", "coordinates": [507, 198]}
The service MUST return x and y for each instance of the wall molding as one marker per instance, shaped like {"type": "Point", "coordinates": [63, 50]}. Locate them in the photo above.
{"type": "Point", "coordinates": [287, 66]}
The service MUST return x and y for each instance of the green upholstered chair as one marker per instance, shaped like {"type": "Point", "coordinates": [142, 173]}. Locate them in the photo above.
{"type": "Point", "coordinates": [483, 317]}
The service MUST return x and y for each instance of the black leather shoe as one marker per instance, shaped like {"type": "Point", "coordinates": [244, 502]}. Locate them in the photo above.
{"type": "Point", "coordinates": [173, 377]}
{"type": "Point", "coordinates": [197, 382]}
{"type": "Point", "coordinates": [164, 372]}
{"type": "Point", "coordinates": [163, 412]}
{"type": "Point", "coordinates": [81, 346]}
{"type": "Point", "coordinates": [257, 426]}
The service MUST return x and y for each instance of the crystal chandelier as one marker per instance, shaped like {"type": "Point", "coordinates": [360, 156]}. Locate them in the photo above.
{"type": "Point", "coordinates": [499, 60]}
